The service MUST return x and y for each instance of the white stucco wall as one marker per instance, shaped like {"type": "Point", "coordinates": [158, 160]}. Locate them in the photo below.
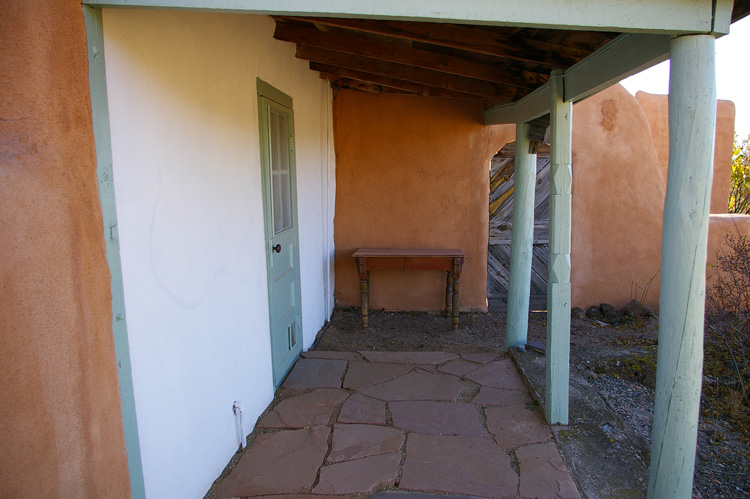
{"type": "Point", "coordinates": [184, 120]}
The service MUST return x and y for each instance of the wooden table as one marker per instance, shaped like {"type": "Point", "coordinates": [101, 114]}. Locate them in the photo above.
{"type": "Point", "coordinates": [448, 260]}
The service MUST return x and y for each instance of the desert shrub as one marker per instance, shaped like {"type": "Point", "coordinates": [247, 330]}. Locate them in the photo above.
{"type": "Point", "coordinates": [727, 333]}
{"type": "Point", "coordinates": [739, 194]}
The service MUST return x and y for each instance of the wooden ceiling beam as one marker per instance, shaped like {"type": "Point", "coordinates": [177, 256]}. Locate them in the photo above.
{"type": "Point", "coordinates": [333, 73]}
{"type": "Point", "coordinates": [740, 10]}
{"type": "Point", "coordinates": [405, 72]}
{"type": "Point", "coordinates": [478, 39]}
{"type": "Point", "coordinates": [361, 86]}
{"type": "Point", "coordinates": [400, 54]}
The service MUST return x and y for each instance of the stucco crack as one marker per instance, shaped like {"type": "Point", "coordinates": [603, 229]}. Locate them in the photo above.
{"type": "Point", "coordinates": [16, 120]}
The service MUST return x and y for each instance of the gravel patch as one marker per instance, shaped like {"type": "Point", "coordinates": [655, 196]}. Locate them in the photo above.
{"type": "Point", "coordinates": [722, 467]}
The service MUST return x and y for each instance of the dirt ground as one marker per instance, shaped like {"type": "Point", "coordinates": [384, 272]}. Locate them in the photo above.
{"type": "Point", "coordinates": [723, 458]}
{"type": "Point", "coordinates": [477, 332]}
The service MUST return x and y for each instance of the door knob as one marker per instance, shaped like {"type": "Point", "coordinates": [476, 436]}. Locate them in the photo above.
{"type": "Point", "coordinates": [277, 248]}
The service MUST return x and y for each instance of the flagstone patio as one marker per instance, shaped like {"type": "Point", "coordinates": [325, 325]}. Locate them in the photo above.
{"type": "Point", "coordinates": [402, 425]}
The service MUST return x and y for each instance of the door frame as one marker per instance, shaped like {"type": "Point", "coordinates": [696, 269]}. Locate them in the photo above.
{"type": "Point", "coordinates": [266, 91]}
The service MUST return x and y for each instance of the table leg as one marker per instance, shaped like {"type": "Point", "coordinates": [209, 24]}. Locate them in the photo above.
{"type": "Point", "coordinates": [448, 293]}
{"type": "Point", "coordinates": [456, 288]}
{"type": "Point", "coordinates": [364, 288]}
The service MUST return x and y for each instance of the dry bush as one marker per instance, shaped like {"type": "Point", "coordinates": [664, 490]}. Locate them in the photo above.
{"type": "Point", "coordinates": [727, 338]}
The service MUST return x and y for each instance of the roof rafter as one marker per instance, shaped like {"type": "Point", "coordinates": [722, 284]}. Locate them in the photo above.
{"type": "Point", "coordinates": [479, 39]}
{"type": "Point", "coordinates": [406, 72]}
{"type": "Point", "coordinates": [333, 73]}
{"type": "Point", "coordinates": [362, 86]}
{"type": "Point", "coordinates": [401, 54]}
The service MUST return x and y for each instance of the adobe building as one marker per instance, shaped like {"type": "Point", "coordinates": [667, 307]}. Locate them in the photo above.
{"type": "Point", "coordinates": [174, 211]}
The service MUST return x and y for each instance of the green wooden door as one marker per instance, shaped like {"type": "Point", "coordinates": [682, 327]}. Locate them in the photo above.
{"type": "Point", "coordinates": [282, 239]}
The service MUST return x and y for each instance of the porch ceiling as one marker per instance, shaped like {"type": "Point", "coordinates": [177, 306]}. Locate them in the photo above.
{"type": "Point", "coordinates": [505, 67]}
{"type": "Point", "coordinates": [495, 64]}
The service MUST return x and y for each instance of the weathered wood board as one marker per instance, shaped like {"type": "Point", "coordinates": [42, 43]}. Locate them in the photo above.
{"type": "Point", "coordinates": [501, 227]}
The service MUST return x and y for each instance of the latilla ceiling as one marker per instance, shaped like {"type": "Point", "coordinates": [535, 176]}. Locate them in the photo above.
{"type": "Point", "coordinates": [494, 64]}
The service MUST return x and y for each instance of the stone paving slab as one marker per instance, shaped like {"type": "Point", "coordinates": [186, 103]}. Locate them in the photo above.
{"type": "Point", "coordinates": [500, 374]}
{"type": "Point", "coordinates": [605, 464]}
{"type": "Point", "coordinates": [499, 396]}
{"type": "Point", "coordinates": [355, 441]}
{"type": "Point", "coordinates": [458, 367]}
{"type": "Point", "coordinates": [432, 358]}
{"type": "Point", "coordinates": [363, 374]}
{"type": "Point", "coordinates": [458, 464]}
{"type": "Point", "coordinates": [300, 496]}
{"type": "Point", "coordinates": [407, 424]}
{"type": "Point", "coordinates": [418, 386]}
{"type": "Point", "coordinates": [403, 494]}
{"type": "Point", "coordinates": [481, 358]}
{"type": "Point", "coordinates": [315, 373]}
{"type": "Point", "coordinates": [330, 355]}
{"type": "Point", "coordinates": [437, 418]}
{"type": "Point", "coordinates": [543, 473]}
{"type": "Point", "coordinates": [359, 476]}
{"type": "Point", "coordinates": [309, 409]}
{"type": "Point", "coordinates": [362, 409]}
{"type": "Point", "coordinates": [515, 425]}
{"type": "Point", "coordinates": [278, 463]}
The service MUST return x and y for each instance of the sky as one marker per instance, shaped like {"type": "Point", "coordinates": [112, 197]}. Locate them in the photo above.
{"type": "Point", "coordinates": [732, 75]}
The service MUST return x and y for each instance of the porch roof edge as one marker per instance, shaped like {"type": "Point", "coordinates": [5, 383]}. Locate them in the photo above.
{"type": "Point", "coordinates": [656, 16]}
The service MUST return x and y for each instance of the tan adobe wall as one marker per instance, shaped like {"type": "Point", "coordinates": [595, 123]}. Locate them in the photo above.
{"type": "Point", "coordinates": [412, 172]}
{"type": "Point", "coordinates": [399, 192]}
{"type": "Point", "coordinates": [656, 108]}
{"type": "Point", "coordinates": [59, 403]}
{"type": "Point", "coordinates": [618, 201]}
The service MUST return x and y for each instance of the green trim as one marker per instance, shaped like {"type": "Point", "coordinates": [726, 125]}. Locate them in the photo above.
{"type": "Point", "coordinates": [276, 95]}
{"type": "Point", "coordinates": [676, 17]}
{"type": "Point", "coordinates": [102, 138]}
{"type": "Point", "coordinates": [624, 56]}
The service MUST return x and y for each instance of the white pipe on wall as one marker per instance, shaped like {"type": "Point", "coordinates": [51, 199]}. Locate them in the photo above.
{"type": "Point", "coordinates": [239, 411]}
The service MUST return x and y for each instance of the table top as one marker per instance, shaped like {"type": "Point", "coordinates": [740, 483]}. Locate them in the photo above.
{"type": "Point", "coordinates": [407, 252]}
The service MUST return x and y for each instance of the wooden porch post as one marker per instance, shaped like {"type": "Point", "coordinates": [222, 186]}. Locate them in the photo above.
{"type": "Point", "coordinates": [692, 119]}
{"type": "Point", "coordinates": [522, 240]}
{"type": "Point", "coordinates": [558, 288]}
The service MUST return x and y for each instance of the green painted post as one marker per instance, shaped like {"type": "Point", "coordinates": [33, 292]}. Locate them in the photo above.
{"type": "Point", "coordinates": [558, 287]}
{"type": "Point", "coordinates": [102, 139]}
{"type": "Point", "coordinates": [522, 240]}
{"type": "Point", "coordinates": [692, 120]}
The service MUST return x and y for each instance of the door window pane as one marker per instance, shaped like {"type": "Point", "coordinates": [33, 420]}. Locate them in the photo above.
{"type": "Point", "coordinates": [280, 172]}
